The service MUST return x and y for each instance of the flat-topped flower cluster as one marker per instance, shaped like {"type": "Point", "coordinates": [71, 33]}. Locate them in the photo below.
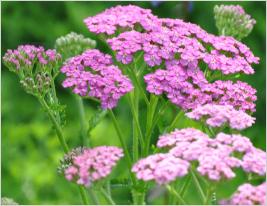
{"type": "Point", "coordinates": [93, 73]}
{"type": "Point", "coordinates": [92, 164]}
{"type": "Point", "coordinates": [216, 157]}
{"type": "Point", "coordinates": [27, 55]}
{"type": "Point", "coordinates": [180, 52]}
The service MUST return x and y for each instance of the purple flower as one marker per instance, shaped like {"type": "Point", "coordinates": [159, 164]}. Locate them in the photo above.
{"type": "Point", "coordinates": [220, 115]}
{"type": "Point", "coordinates": [255, 162]}
{"type": "Point", "coordinates": [163, 168]}
{"type": "Point", "coordinates": [216, 157]}
{"type": "Point", "coordinates": [93, 74]}
{"type": "Point", "coordinates": [248, 194]}
{"type": "Point", "coordinates": [25, 56]}
{"type": "Point", "coordinates": [93, 164]}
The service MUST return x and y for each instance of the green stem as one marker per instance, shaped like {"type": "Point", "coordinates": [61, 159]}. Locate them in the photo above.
{"type": "Point", "coordinates": [174, 122]}
{"type": "Point", "coordinates": [123, 144]}
{"type": "Point", "coordinates": [210, 191]}
{"type": "Point", "coordinates": [83, 195]}
{"type": "Point", "coordinates": [198, 186]}
{"type": "Point", "coordinates": [135, 115]}
{"type": "Point", "coordinates": [83, 121]}
{"type": "Point", "coordinates": [54, 93]}
{"type": "Point", "coordinates": [136, 126]}
{"type": "Point", "coordinates": [93, 197]}
{"type": "Point", "coordinates": [158, 115]}
{"type": "Point", "coordinates": [62, 141]}
{"type": "Point", "coordinates": [185, 185]}
{"type": "Point", "coordinates": [176, 194]}
{"type": "Point", "coordinates": [56, 125]}
{"type": "Point", "coordinates": [107, 197]}
{"type": "Point", "coordinates": [149, 122]}
{"type": "Point", "coordinates": [137, 83]}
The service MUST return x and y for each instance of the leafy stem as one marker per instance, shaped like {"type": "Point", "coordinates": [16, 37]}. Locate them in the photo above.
{"type": "Point", "coordinates": [62, 141]}
{"type": "Point", "coordinates": [56, 125]}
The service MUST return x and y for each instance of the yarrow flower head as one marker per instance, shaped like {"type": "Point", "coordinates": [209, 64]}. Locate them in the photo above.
{"type": "Point", "coordinates": [231, 20]}
{"type": "Point", "coordinates": [216, 157]}
{"type": "Point", "coordinates": [188, 88]}
{"type": "Point", "coordinates": [73, 44]}
{"type": "Point", "coordinates": [93, 164]}
{"type": "Point", "coordinates": [125, 17]}
{"type": "Point", "coordinates": [180, 49]}
{"type": "Point", "coordinates": [221, 115]}
{"type": "Point", "coordinates": [34, 65]}
{"type": "Point", "coordinates": [254, 162]}
{"type": "Point", "coordinates": [248, 194]}
{"type": "Point", "coordinates": [93, 74]}
{"type": "Point", "coordinates": [163, 168]}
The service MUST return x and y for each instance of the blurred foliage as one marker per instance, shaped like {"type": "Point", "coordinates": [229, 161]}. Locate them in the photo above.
{"type": "Point", "coordinates": [30, 148]}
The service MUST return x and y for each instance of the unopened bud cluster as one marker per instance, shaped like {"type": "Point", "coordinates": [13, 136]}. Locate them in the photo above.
{"type": "Point", "coordinates": [35, 67]}
{"type": "Point", "coordinates": [233, 21]}
{"type": "Point", "coordinates": [73, 44]}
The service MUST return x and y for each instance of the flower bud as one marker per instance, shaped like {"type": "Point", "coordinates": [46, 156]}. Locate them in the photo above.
{"type": "Point", "coordinates": [232, 20]}
{"type": "Point", "coordinates": [73, 44]}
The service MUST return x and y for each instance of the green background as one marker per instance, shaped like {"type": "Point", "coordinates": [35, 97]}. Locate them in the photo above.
{"type": "Point", "coordinates": [30, 150]}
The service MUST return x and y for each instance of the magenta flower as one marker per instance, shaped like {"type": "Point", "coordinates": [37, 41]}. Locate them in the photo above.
{"type": "Point", "coordinates": [188, 135]}
{"type": "Point", "coordinates": [255, 162]}
{"type": "Point", "coordinates": [93, 74]}
{"type": "Point", "coordinates": [187, 87]}
{"type": "Point", "coordinates": [93, 164]}
{"type": "Point", "coordinates": [216, 157]}
{"type": "Point", "coordinates": [220, 115]}
{"type": "Point", "coordinates": [248, 194]}
{"type": "Point", "coordinates": [111, 19]}
{"type": "Point", "coordinates": [163, 168]}
{"type": "Point", "coordinates": [25, 56]}
{"type": "Point", "coordinates": [161, 39]}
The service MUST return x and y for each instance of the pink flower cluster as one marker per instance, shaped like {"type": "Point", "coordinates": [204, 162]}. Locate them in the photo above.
{"type": "Point", "coordinates": [220, 115]}
{"type": "Point", "coordinates": [27, 55]}
{"type": "Point", "coordinates": [92, 73]}
{"type": "Point", "coordinates": [93, 164]}
{"type": "Point", "coordinates": [124, 17]}
{"type": "Point", "coordinates": [167, 37]}
{"type": "Point", "coordinates": [255, 162]}
{"type": "Point", "coordinates": [162, 168]}
{"type": "Point", "coordinates": [187, 88]}
{"type": "Point", "coordinates": [248, 194]}
{"type": "Point", "coordinates": [184, 48]}
{"type": "Point", "coordinates": [215, 157]}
